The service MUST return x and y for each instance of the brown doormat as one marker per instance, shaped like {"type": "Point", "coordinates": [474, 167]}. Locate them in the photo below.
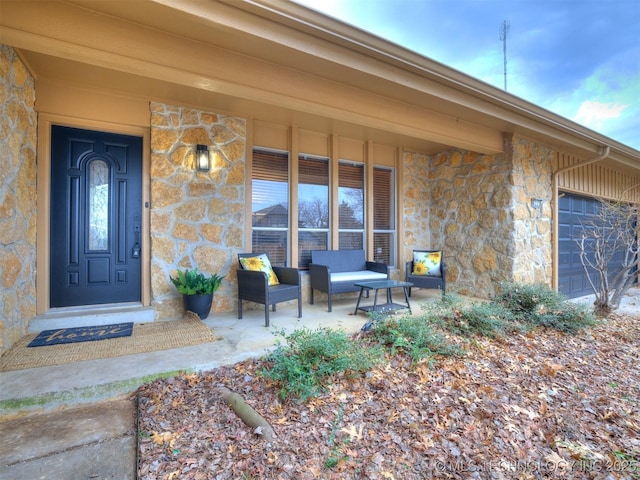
{"type": "Point", "coordinates": [146, 337]}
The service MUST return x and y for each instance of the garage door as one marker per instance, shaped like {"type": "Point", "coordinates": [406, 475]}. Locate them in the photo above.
{"type": "Point", "coordinates": [574, 212]}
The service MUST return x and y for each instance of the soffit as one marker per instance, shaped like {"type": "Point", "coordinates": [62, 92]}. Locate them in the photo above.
{"type": "Point", "coordinates": [316, 45]}
{"type": "Point", "coordinates": [98, 79]}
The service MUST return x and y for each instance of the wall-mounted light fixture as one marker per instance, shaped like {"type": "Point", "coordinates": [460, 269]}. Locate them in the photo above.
{"type": "Point", "coordinates": [202, 158]}
{"type": "Point", "coordinates": [536, 203]}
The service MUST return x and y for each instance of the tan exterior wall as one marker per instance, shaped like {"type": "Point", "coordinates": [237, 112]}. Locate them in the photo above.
{"type": "Point", "coordinates": [197, 218]}
{"type": "Point", "coordinates": [595, 180]}
{"type": "Point", "coordinates": [17, 198]}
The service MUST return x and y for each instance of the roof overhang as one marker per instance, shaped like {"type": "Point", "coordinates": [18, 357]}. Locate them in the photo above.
{"type": "Point", "coordinates": [279, 61]}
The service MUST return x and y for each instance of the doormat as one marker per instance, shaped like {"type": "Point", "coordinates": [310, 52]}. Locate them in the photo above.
{"type": "Point", "coordinates": [82, 334]}
{"type": "Point", "coordinates": [146, 337]}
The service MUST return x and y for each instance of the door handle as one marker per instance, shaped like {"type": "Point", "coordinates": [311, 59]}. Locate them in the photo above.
{"type": "Point", "coordinates": [135, 251]}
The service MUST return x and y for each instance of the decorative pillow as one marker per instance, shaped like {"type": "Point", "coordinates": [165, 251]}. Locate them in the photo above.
{"type": "Point", "coordinates": [427, 263]}
{"type": "Point", "coordinates": [260, 263]}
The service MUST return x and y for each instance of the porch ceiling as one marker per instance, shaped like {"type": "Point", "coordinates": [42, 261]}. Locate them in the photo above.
{"type": "Point", "coordinates": [154, 89]}
{"type": "Point", "coordinates": [280, 62]}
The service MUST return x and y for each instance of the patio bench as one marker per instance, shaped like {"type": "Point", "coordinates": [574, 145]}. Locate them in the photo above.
{"type": "Point", "coordinates": [337, 271]}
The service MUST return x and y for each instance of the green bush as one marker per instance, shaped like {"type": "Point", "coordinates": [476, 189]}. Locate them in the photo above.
{"type": "Point", "coordinates": [310, 358]}
{"type": "Point", "coordinates": [486, 319]}
{"type": "Point", "coordinates": [483, 318]}
{"type": "Point", "coordinates": [307, 360]}
{"type": "Point", "coordinates": [413, 336]}
{"type": "Point", "coordinates": [569, 318]}
{"type": "Point", "coordinates": [193, 282]}
{"type": "Point", "coordinates": [541, 305]}
{"type": "Point", "coordinates": [527, 300]}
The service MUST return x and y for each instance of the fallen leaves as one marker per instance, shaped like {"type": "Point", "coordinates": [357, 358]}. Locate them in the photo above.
{"type": "Point", "coordinates": [535, 406]}
{"type": "Point", "coordinates": [164, 438]}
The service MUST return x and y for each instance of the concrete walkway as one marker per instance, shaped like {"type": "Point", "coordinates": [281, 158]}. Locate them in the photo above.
{"type": "Point", "coordinates": [77, 421]}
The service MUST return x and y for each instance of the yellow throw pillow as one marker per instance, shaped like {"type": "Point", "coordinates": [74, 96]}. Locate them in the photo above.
{"type": "Point", "coordinates": [427, 263]}
{"type": "Point", "coordinates": [260, 263]}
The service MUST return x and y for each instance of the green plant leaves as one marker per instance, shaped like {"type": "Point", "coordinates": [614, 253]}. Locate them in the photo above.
{"type": "Point", "coordinates": [192, 282]}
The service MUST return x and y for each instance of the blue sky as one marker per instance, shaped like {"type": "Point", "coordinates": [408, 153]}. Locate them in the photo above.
{"type": "Point", "coordinates": [577, 58]}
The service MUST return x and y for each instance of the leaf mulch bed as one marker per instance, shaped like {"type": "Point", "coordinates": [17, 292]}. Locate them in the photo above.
{"type": "Point", "coordinates": [535, 406]}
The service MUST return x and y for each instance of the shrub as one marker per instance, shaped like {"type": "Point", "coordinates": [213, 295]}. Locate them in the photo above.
{"type": "Point", "coordinates": [486, 319]}
{"type": "Point", "coordinates": [310, 358]}
{"type": "Point", "coordinates": [413, 336]}
{"type": "Point", "coordinates": [541, 305]}
{"type": "Point", "coordinates": [527, 300]}
{"type": "Point", "coordinates": [569, 318]}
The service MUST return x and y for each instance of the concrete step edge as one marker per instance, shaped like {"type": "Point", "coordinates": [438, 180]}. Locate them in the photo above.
{"type": "Point", "coordinates": [11, 408]}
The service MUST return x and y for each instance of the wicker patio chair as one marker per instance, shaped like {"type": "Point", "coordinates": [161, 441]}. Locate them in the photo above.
{"type": "Point", "coordinates": [435, 277]}
{"type": "Point", "coordinates": [253, 286]}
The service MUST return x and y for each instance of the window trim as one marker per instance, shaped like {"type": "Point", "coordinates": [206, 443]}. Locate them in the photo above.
{"type": "Point", "coordinates": [387, 161]}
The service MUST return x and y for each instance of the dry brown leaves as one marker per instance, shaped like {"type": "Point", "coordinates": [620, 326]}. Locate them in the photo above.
{"type": "Point", "coordinates": [542, 405]}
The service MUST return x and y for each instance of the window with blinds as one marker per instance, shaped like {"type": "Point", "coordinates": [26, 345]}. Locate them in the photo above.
{"type": "Point", "coordinates": [270, 204]}
{"type": "Point", "coordinates": [270, 214]}
{"type": "Point", "coordinates": [351, 205]}
{"type": "Point", "coordinates": [384, 217]}
{"type": "Point", "coordinates": [313, 207]}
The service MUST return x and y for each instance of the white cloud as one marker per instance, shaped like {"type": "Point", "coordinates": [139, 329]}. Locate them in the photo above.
{"type": "Point", "coordinates": [594, 114]}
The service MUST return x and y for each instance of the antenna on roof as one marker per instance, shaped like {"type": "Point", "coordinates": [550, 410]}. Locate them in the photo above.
{"type": "Point", "coordinates": [504, 29]}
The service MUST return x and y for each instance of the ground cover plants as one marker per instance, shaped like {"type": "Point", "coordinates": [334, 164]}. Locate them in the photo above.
{"type": "Point", "coordinates": [526, 386]}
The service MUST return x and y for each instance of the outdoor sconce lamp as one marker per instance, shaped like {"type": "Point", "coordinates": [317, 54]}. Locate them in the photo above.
{"type": "Point", "coordinates": [536, 203]}
{"type": "Point", "coordinates": [202, 158]}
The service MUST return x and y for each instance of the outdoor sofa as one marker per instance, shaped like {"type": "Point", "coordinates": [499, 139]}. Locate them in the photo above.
{"type": "Point", "coordinates": [337, 271]}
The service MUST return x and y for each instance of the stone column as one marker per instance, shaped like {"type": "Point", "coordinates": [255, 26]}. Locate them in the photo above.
{"type": "Point", "coordinates": [18, 125]}
{"type": "Point", "coordinates": [197, 218]}
{"type": "Point", "coordinates": [472, 218]}
{"type": "Point", "coordinates": [532, 226]}
{"type": "Point", "coordinates": [481, 214]}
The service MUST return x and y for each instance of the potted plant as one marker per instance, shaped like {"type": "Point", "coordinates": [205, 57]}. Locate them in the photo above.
{"type": "Point", "coordinates": [197, 290]}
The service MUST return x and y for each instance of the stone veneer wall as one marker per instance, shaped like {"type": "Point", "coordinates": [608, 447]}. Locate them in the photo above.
{"type": "Point", "coordinates": [18, 138]}
{"type": "Point", "coordinates": [471, 216]}
{"type": "Point", "coordinates": [480, 213]}
{"type": "Point", "coordinates": [416, 198]}
{"type": "Point", "coordinates": [531, 178]}
{"type": "Point", "coordinates": [197, 218]}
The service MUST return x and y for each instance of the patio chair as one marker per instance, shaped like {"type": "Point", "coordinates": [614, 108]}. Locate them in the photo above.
{"type": "Point", "coordinates": [427, 270]}
{"type": "Point", "coordinates": [259, 282]}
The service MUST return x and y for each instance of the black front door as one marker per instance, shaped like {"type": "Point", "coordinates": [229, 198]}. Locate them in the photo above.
{"type": "Point", "coordinates": [96, 217]}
